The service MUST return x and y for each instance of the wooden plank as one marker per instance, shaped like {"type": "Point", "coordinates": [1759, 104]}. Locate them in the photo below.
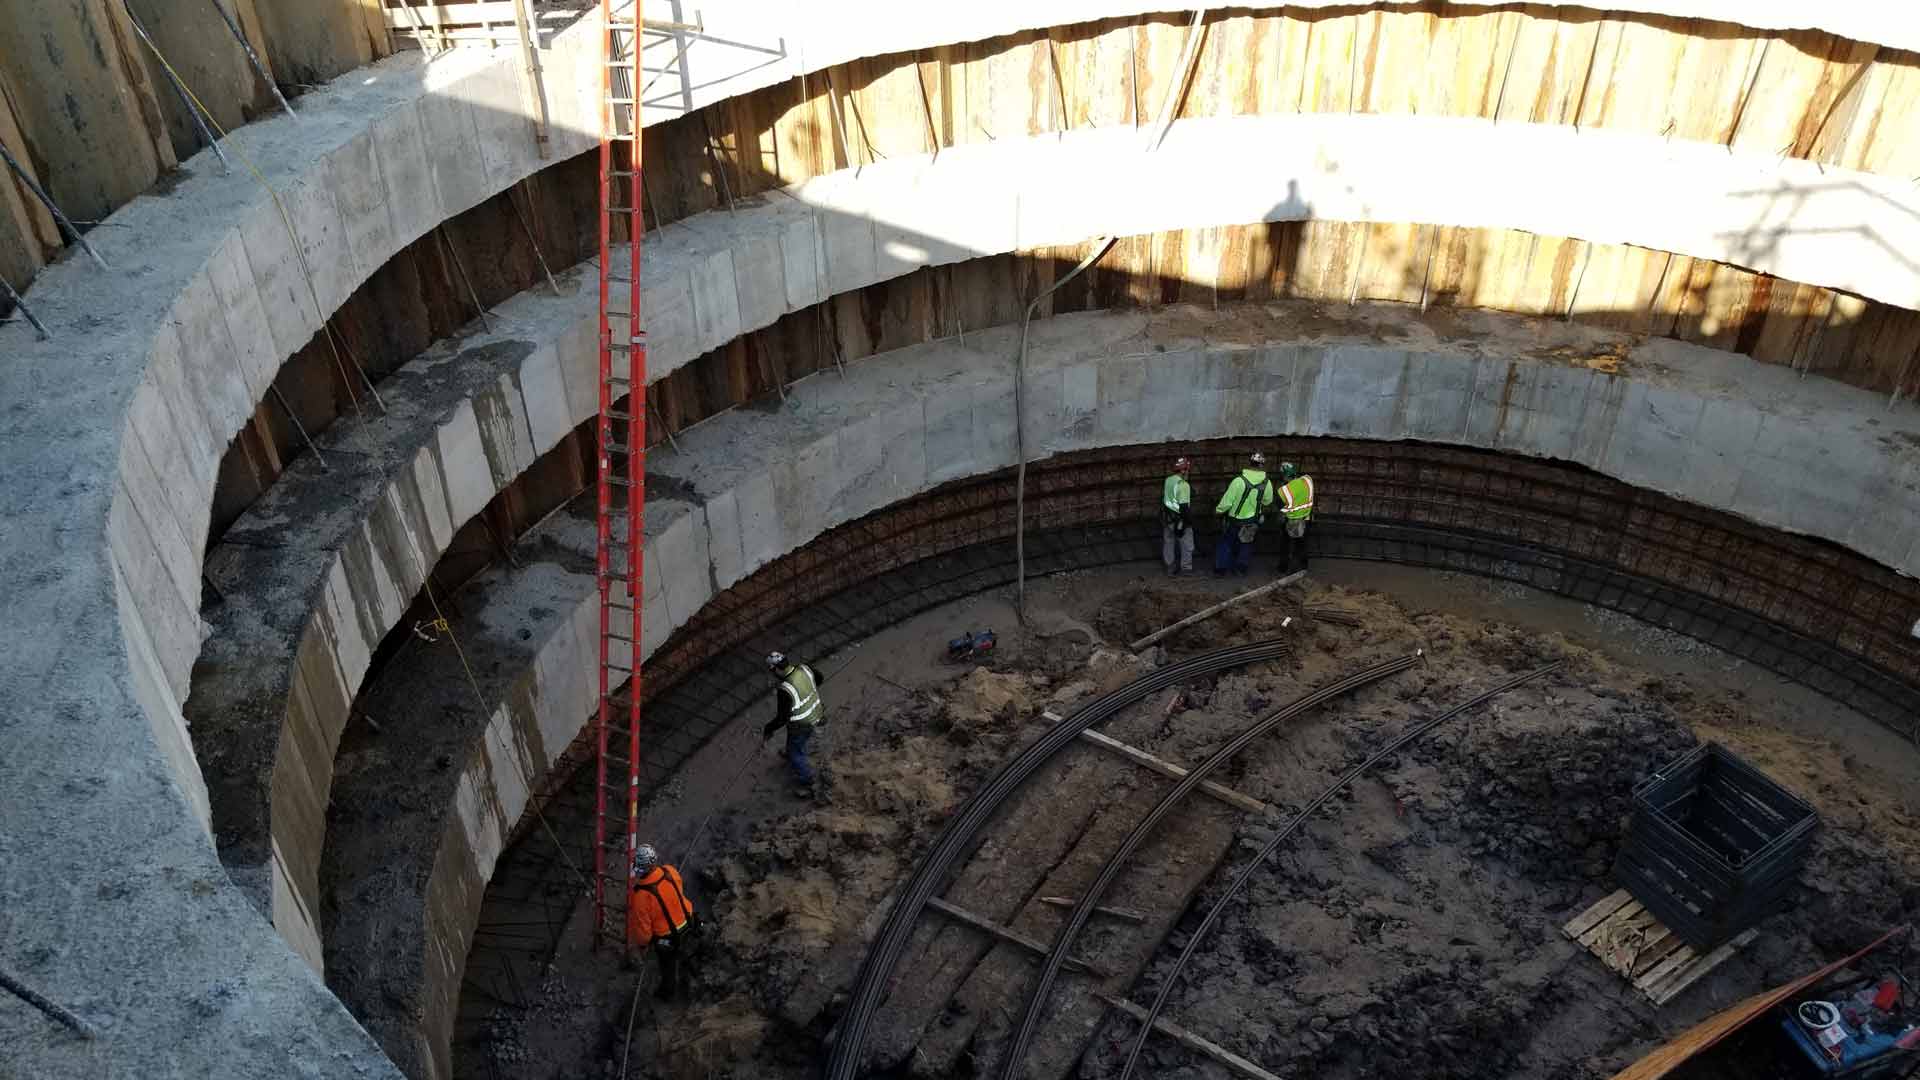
{"type": "Point", "coordinates": [1662, 971]}
{"type": "Point", "coordinates": [1011, 937]}
{"type": "Point", "coordinates": [1623, 939]}
{"type": "Point", "coordinates": [1662, 993]}
{"type": "Point", "coordinates": [1660, 944]}
{"type": "Point", "coordinates": [481, 11]}
{"type": "Point", "coordinates": [1117, 913]}
{"type": "Point", "coordinates": [1189, 1039]}
{"type": "Point", "coordinates": [1168, 769]}
{"type": "Point", "coordinates": [1627, 911]}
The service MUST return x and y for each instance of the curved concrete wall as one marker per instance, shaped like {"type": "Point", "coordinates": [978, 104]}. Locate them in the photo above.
{"type": "Point", "coordinates": [766, 41]}
{"type": "Point", "coordinates": [296, 652]}
{"type": "Point", "coordinates": [750, 487]}
{"type": "Point", "coordinates": [152, 368]}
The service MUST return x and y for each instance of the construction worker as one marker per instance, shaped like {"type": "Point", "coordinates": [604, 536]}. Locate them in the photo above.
{"type": "Point", "coordinates": [1176, 519]}
{"type": "Point", "coordinates": [1240, 510]}
{"type": "Point", "coordinates": [660, 918]}
{"type": "Point", "coordinates": [798, 708]}
{"type": "Point", "coordinates": [1296, 506]}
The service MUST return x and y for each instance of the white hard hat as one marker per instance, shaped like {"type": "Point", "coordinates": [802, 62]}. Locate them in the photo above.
{"type": "Point", "coordinates": [1259, 458]}
{"type": "Point", "coordinates": [776, 660]}
{"type": "Point", "coordinates": [644, 859]}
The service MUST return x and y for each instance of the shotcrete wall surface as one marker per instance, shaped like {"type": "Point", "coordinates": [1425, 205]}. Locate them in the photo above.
{"type": "Point", "coordinates": [747, 487]}
{"type": "Point", "coordinates": [116, 903]}
{"type": "Point", "coordinates": [717, 275]}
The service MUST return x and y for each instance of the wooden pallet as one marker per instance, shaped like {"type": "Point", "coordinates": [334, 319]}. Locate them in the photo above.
{"type": "Point", "coordinates": [1636, 945]}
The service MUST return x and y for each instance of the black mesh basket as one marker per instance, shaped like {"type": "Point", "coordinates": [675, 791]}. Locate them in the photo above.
{"type": "Point", "coordinates": [1714, 846]}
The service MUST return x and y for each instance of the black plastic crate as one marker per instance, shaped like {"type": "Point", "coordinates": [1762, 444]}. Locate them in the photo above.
{"type": "Point", "coordinates": [1714, 846]}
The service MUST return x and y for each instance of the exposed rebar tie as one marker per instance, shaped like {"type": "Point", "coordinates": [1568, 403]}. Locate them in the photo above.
{"type": "Point", "coordinates": [45, 1004]}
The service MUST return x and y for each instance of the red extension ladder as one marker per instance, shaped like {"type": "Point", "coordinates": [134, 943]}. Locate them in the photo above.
{"type": "Point", "coordinates": [620, 486]}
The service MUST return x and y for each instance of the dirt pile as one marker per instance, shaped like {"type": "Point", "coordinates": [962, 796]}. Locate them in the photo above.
{"type": "Point", "coordinates": [792, 908]}
{"type": "Point", "coordinates": [1138, 612]}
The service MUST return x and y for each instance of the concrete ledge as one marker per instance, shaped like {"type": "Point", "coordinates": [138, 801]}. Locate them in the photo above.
{"type": "Point", "coordinates": [761, 486]}
{"type": "Point", "coordinates": [765, 41]}
{"type": "Point", "coordinates": [327, 593]}
{"type": "Point", "coordinates": [112, 440]}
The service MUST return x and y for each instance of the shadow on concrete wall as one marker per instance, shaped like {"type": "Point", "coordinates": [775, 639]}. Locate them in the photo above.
{"type": "Point", "coordinates": [977, 293]}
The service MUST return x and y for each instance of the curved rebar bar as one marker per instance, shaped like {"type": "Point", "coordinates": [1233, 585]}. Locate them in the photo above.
{"type": "Point", "coordinates": [877, 968]}
{"type": "Point", "coordinates": [1037, 997]}
{"type": "Point", "coordinates": [1246, 872]}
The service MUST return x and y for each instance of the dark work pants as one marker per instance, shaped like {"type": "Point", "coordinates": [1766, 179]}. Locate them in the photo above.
{"type": "Point", "coordinates": [1294, 548]}
{"type": "Point", "coordinates": [1230, 553]}
{"type": "Point", "coordinates": [669, 949]}
{"type": "Point", "coordinates": [797, 739]}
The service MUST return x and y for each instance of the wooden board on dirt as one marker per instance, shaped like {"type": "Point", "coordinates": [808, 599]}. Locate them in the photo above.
{"type": "Point", "coordinates": [1638, 947]}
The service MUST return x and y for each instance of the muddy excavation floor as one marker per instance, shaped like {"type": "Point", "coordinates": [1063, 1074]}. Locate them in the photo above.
{"type": "Point", "coordinates": [1412, 928]}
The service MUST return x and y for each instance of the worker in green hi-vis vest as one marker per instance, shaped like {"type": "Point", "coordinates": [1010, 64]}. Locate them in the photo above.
{"type": "Point", "coordinates": [1296, 506]}
{"type": "Point", "coordinates": [1240, 510]}
{"type": "Point", "coordinates": [1176, 519]}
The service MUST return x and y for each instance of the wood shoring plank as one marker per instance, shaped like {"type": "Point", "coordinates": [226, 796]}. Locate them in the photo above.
{"type": "Point", "coordinates": [1118, 913]}
{"type": "Point", "coordinates": [1011, 937]}
{"type": "Point", "coordinates": [1168, 769]}
{"type": "Point", "coordinates": [1663, 992]}
{"type": "Point", "coordinates": [1209, 612]}
{"type": "Point", "coordinates": [1188, 1039]}
{"type": "Point", "coordinates": [1592, 917]}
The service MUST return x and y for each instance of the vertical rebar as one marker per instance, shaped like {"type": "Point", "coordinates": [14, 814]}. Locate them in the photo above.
{"type": "Point", "coordinates": [447, 246]}
{"type": "Point", "coordinates": [253, 58]}
{"type": "Point", "coordinates": [179, 90]}
{"type": "Point", "coordinates": [27, 312]}
{"type": "Point", "coordinates": [46, 200]}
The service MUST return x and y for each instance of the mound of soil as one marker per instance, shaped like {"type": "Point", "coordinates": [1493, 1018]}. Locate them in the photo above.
{"type": "Point", "coordinates": [1412, 928]}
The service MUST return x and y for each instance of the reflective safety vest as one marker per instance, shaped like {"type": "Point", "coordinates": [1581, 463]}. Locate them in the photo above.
{"type": "Point", "coordinates": [1246, 496]}
{"type": "Point", "coordinates": [657, 906]}
{"type": "Point", "coordinates": [1296, 498]}
{"type": "Point", "coordinates": [1175, 494]}
{"type": "Point", "coordinates": [802, 695]}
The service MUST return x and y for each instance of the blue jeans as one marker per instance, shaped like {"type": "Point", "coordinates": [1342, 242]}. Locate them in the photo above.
{"type": "Point", "coordinates": [797, 739]}
{"type": "Point", "coordinates": [1230, 553]}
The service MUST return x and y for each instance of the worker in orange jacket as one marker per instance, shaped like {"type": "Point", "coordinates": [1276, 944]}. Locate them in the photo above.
{"type": "Point", "coordinates": [659, 916]}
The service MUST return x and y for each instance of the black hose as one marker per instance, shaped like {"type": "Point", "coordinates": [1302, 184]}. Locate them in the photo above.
{"type": "Point", "coordinates": [1037, 998]}
{"type": "Point", "coordinates": [1246, 872]}
{"type": "Point", "coordinates": [877, 969]}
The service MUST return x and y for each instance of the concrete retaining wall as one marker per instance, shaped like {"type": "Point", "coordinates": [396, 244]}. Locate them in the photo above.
{"type": "Point", "coordinates": [112, 440]}
{"type": "Point", "coordinates": [1686, 421]}
{"type": "Point", "coordinates": [710, 278]}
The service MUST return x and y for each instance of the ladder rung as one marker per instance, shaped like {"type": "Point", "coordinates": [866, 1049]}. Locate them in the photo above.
{"type": "Point", "coordinates": [610, 666]}
{"type": "Point", "coordinates": [618, 100]}
{"type": "Point", "coordinates": [627, 64]}
{"type": "Point", "coordinates": [612, 415]}
{"type": "Point", "coordinates": [621, 379]}
{"type": "Point", "coordinates": [623, 172]}
{"type": "Point", "coordinates": [639, 342]}
{"type": "Point", "coordinates": [622, 483]}
{"type": "Point", "coordinates": [619, 637]}
{"type": "Point", "coordinates": [621, 209]}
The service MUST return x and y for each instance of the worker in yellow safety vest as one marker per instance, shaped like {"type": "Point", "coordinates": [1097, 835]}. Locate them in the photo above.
{"type": "Point", "coordinates": [1240, 510]}
{"type": "Point", "coordinates": [798, 708]}
{"type": "Point", "coordinates": [1176, 519]}
{"type": "Point", "coordinates": [1296, 506]}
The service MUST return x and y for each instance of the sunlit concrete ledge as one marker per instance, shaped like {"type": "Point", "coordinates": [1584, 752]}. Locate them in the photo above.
{"type": "Point", "coordinates": [112, 435]}
{"type": "Point", "coordinates": [1713, 427]}
{"type": "Point", "coordinates": [715, 276]}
